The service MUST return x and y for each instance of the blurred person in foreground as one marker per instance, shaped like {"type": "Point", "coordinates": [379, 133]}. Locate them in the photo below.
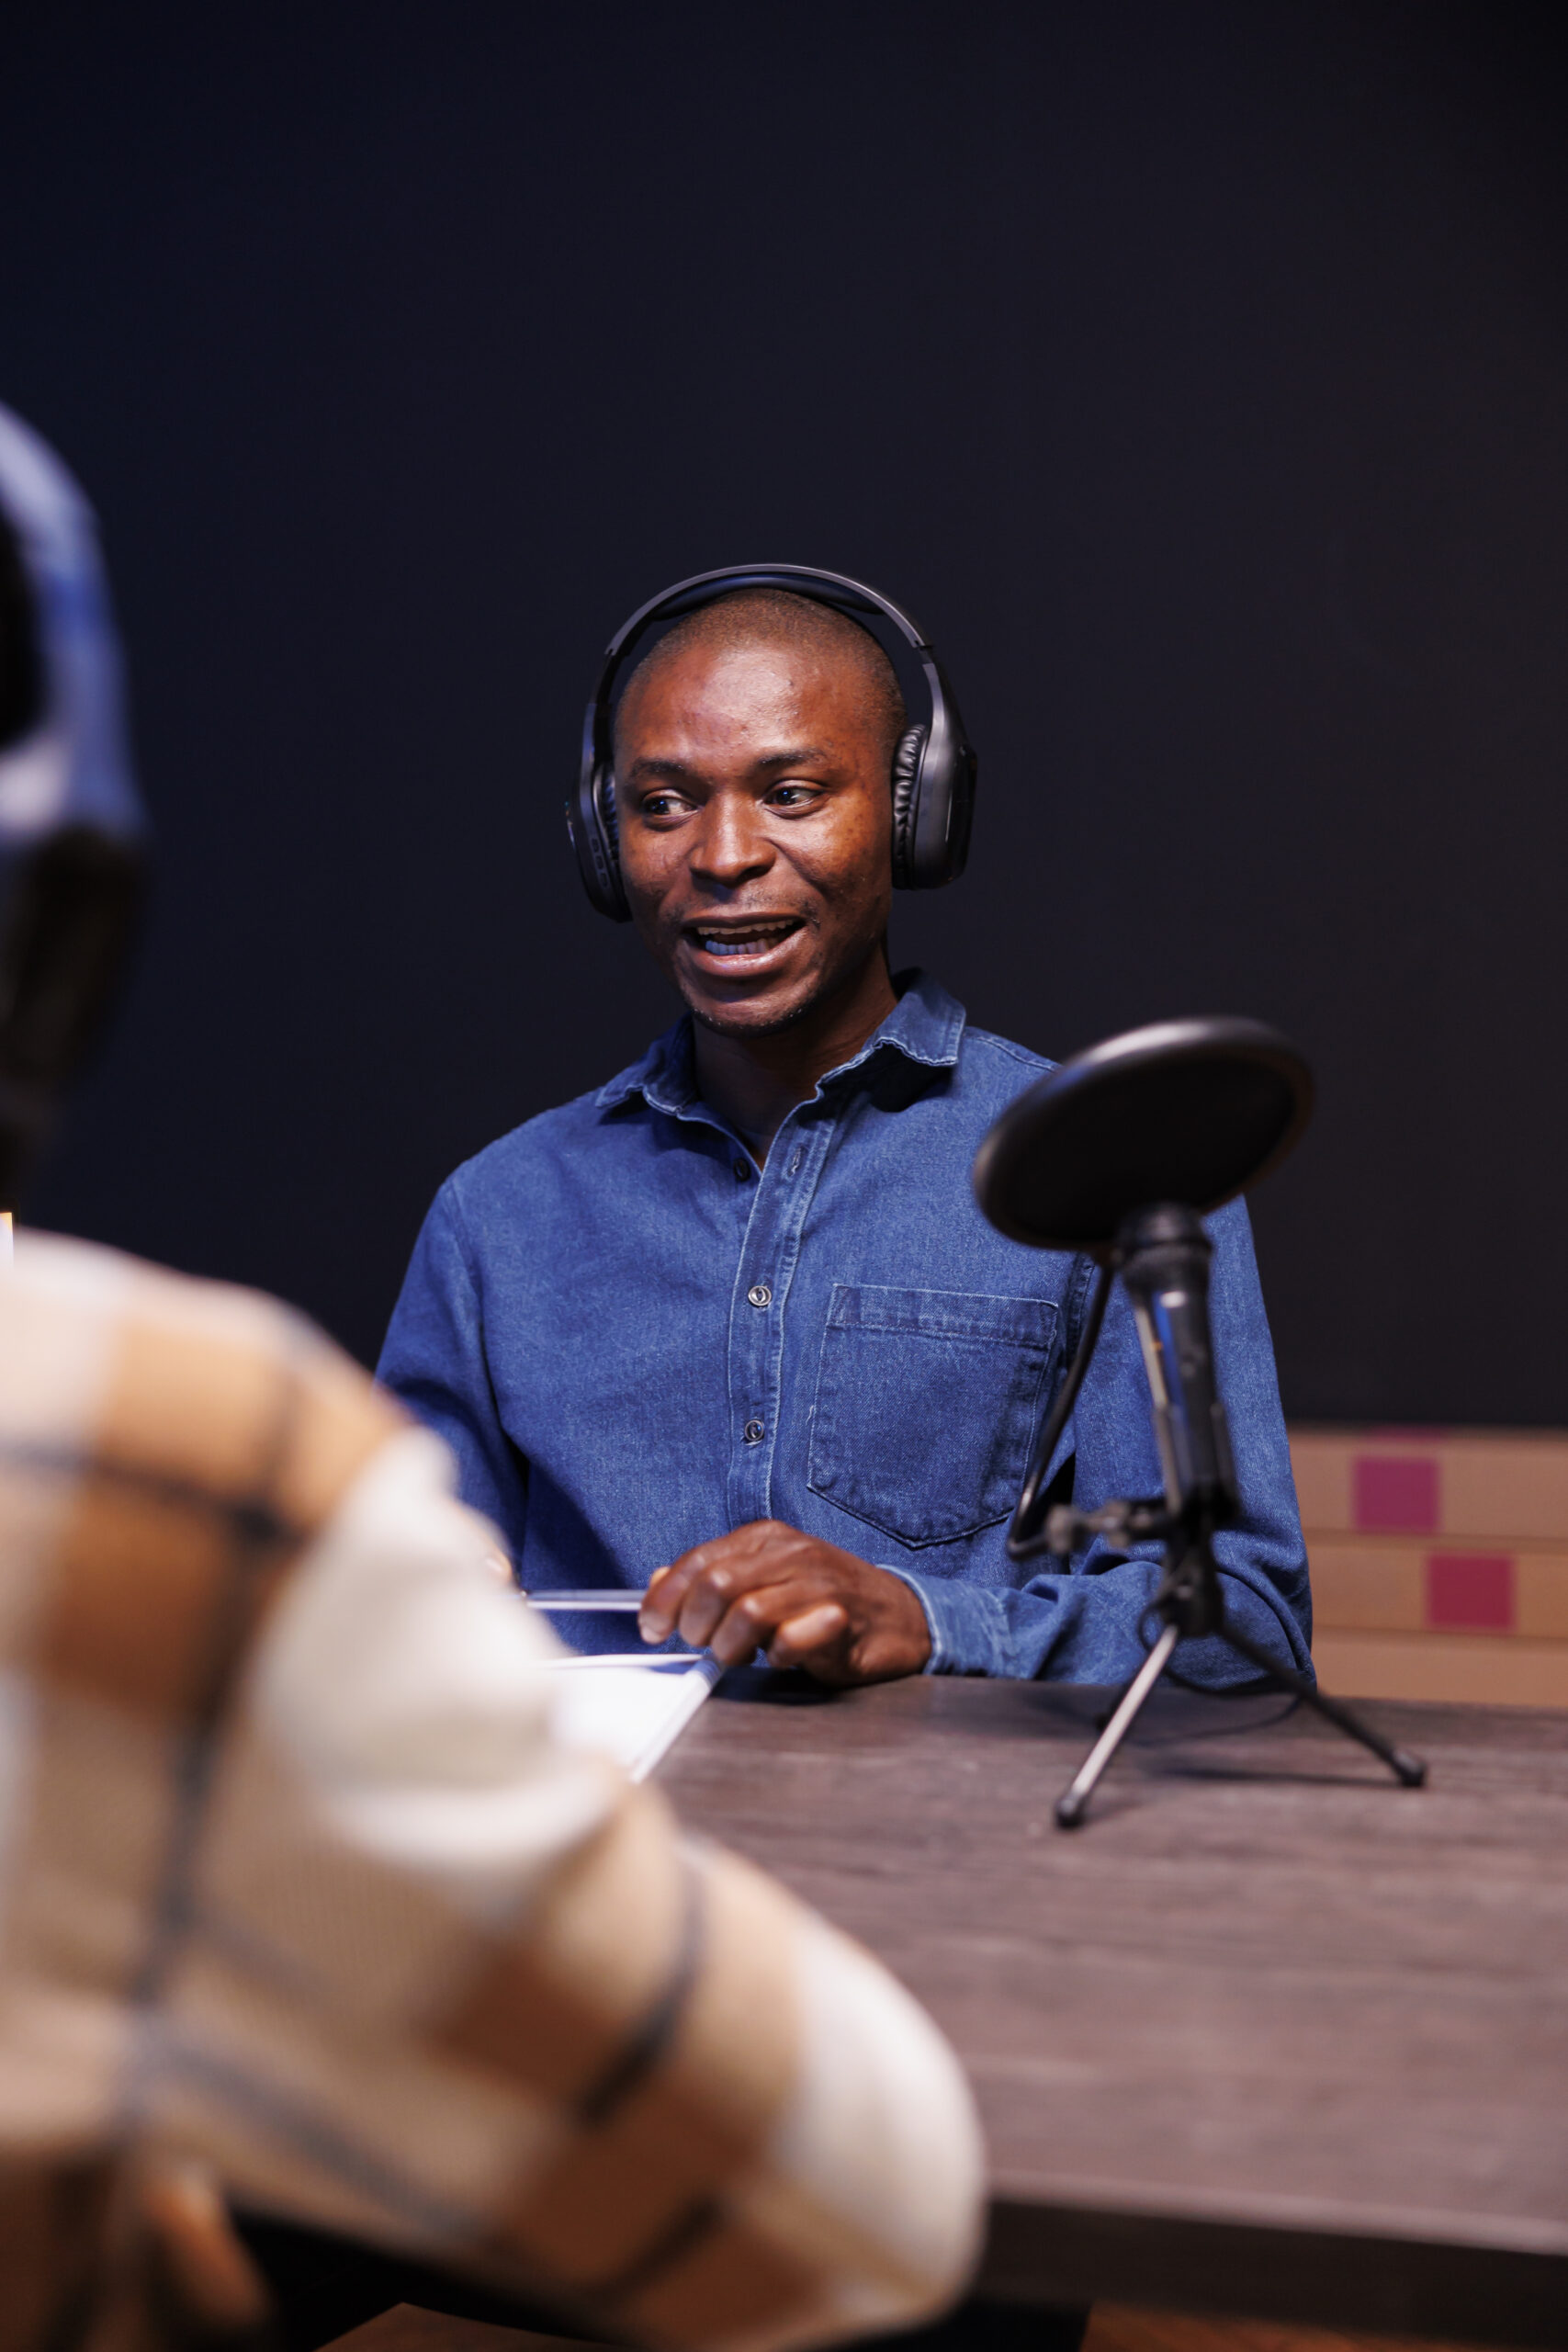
{"type": "Point", "coordinates": [303, 1902]}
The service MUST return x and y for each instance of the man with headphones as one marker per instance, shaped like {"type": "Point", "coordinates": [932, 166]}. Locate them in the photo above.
{"type": "Point", "coordinates": [731, 1331]}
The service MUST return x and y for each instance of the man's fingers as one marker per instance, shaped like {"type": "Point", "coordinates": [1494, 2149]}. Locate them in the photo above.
{"type": "Point", "coordinates": [799, 1639]}
{"type": "Point", "coordinates": [733, 1596]}
{"type": "Point", "coordinates": [708, 1597]}
{"type": "Point", "coordinates": [767, 1587]}
{"type": "Point", "coordinates": [653, 1621]}
{"type": "Point", "coordinates": [661, 1604]}
{"type": "Point", "coordinates": [693, 1594]}
{"type": "Point", "coordinates": [751, 1621]}
{"type": "Point", "coordinates": [688, 1599]}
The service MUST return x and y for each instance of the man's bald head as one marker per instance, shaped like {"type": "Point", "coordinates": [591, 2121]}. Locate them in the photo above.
{"type": "Point", "coordinates": [773, 616]}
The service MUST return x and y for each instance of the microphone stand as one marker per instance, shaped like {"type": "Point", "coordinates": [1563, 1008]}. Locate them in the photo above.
{"type": "Point", "coordinates": [1162, 1254]}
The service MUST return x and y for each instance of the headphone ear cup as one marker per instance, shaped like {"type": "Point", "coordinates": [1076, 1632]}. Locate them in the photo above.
{"type": "Point", "coordinates": [612, 816]}
{"type": "Point", "coordinates": [595, 836]}
{"type": "Point", "coordinates": [609, 823]}
{"type": "Point", "coordinates": [906, 761]}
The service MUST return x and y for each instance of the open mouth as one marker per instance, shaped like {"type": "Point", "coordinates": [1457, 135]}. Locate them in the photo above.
{"type": "Point", "coordinates": [741, 942]}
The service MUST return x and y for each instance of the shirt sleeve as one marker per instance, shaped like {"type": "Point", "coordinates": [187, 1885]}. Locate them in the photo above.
{"type": "Point", "coordinates": [457, 1987]}
{"type": "Point", "coordinates": [434, 1360]}
{"type": "Point", "coordinates": [1085, 1624]}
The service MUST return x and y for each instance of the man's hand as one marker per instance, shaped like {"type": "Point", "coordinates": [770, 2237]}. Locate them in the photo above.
{"type": "Point", "coordinates": [806, 1603]}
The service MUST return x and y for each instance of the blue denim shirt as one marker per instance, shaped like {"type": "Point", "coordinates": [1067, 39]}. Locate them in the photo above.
{"type": "Point", "coordinates": [636, 1343]}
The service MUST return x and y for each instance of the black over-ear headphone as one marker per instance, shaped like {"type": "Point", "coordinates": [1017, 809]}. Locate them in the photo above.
{"type": "Point", "coordinates": [933, 768]}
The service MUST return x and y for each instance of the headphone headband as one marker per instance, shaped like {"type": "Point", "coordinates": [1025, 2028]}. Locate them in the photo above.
{"type": "Point", "coordinates": [933, 768]}
{"type": "Point", "coordinates": [794, 579]}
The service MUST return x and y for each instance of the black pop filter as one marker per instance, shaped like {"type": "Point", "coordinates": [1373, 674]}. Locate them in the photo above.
{"type": "Point", "coordinates": [1190, 1112]}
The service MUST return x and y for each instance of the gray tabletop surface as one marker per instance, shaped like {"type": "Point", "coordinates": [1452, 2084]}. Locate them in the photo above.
{"type": "Point", "coordinates": [1270, 2035]}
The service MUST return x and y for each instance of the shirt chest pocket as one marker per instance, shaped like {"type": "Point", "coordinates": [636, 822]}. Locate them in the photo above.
{"type": "Point", "coordinates": [925, 1402]}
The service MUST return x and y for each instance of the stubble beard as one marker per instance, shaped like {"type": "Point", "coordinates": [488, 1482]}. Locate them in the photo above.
{"type": "Point", "coordinates": [821, 997]}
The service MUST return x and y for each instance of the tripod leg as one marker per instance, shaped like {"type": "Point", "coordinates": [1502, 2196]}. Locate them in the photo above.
{"type": "Point", "coordinates": [1072, 1804]}
{"type": "Point", "coordinates": [1406, 1767]}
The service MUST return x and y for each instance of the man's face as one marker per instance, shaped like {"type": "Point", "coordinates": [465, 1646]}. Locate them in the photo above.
{"type": "Point", "coordinates": [755, 828]}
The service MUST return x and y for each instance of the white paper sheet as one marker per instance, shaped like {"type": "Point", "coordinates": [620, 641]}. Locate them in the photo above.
{"type": "Point", "coordinates": [633, 1708]}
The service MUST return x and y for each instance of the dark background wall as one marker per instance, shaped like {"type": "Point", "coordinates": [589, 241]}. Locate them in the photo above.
{"type": "Point", "coordinates": [1199, 374]}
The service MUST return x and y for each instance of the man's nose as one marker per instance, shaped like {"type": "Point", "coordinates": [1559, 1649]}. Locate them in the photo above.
{"type": "Point", "coordinates": [732, 843]}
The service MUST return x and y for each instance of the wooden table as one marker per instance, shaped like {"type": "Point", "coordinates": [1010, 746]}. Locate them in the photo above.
{"type": "Point", "coordinates": [1270, 2035]}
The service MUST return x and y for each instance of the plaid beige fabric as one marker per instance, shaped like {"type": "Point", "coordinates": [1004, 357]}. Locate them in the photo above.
{"type": "Point", "coordinates": [296, 1878]}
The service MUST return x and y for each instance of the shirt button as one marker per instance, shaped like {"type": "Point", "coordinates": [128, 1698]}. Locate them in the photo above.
{"type": "Point", "coordinates": [742, 1171]}
{"type": "Point", "coordinates": [760, 1294]}
{"type": "Point", "coordinates": [754, 1432]}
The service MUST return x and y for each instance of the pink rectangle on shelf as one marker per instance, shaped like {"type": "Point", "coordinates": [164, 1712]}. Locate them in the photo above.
{"type": "Point", "coordinates": [1395, 1494]}
{"type": "Point", "coordinates": [1469, 1592]}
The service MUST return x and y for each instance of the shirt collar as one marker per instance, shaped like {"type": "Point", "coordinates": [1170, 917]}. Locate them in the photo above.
{"type": "Point", "coordinates": [926, 1026]}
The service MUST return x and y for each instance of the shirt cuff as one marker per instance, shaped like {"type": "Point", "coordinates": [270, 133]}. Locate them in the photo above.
{"type": "Point", "coordinates": [968, 1624]}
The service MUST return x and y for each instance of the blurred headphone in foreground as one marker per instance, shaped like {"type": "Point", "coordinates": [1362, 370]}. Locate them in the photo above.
{"type": "Point", "coordinates": [72, 829]}
{"type": "Point", "coordinates": [933, 768]}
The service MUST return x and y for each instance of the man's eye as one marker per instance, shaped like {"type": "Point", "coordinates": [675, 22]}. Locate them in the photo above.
{"type": "Point", "coordinates": [661, 804]}
{"type": "Point", "coordinates": [790, 795]}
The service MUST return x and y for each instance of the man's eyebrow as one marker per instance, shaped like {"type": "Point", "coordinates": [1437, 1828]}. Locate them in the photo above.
{"type": "Point", "coordinates": [796, 758]}
{"type": "Point", "coordinates": [650, 764]}
{"type": "Point", "coordinates": [647, 766]}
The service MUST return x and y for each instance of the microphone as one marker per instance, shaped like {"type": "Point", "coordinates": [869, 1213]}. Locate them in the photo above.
{"type": "Point", "coordinates": [1120, 1153]}
{"type": "Point", "coordinates": [1164, 1257]}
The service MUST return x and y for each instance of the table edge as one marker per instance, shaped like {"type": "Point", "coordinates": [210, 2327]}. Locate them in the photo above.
{"type": "Point", "coordinates": [1397, 2283]}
